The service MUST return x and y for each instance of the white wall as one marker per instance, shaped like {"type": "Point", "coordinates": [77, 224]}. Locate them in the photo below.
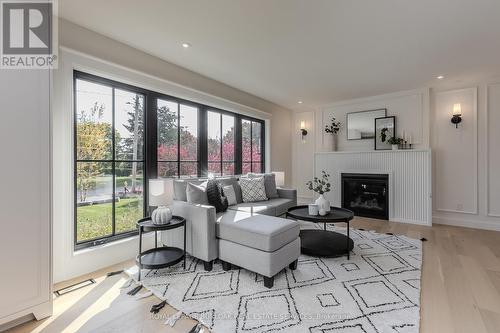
{"type": "Point", "coordinates": [411, 109]}
{"type": "Point", "coordinates": [466, 161]}
{"type": "Point", "coordinates": [93, 53]}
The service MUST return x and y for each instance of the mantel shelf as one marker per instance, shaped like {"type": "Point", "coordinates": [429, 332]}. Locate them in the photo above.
{"type": "Point", "coordinates": [373, 151]}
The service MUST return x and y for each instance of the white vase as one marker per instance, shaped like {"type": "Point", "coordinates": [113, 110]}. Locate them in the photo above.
{"type": "Point", "coordinates": [334, 142]}
{"type": "Point", "coordinates": [323, 203]}
{"type": "Point", "coordinates": [395, 147]}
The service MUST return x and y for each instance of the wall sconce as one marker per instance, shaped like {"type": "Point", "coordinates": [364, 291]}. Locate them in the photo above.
{"type": "Point", "coordinates": [457, 114]}
{"type": "Point", "coordinates": [303, 129]}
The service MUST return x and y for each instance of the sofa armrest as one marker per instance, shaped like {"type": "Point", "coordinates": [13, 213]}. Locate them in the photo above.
{"type": "Point", "coordinates": [287, 193]}
{"type": "Point", "coordinates": [200, 230]}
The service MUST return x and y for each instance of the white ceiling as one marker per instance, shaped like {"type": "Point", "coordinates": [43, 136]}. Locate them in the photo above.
{"type": "Point", "coordinates": [318, 51]}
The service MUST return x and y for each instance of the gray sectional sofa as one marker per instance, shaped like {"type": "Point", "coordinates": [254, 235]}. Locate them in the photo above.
{"type": "Point", "coordinates": [248, 235]}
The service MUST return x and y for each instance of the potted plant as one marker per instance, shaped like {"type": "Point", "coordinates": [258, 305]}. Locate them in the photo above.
{"type": "Point", "coordinates": [321, 186]}
{"type": "Point", "coordinates": [395, 142]}
{"type": "Point", "coordinates": [333, 128]}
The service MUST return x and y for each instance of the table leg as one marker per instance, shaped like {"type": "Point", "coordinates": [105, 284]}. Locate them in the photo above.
{"type": "Point", "coordinates": [156, 239]}
{"type": "Point", "coordinates": [348, 241]}
{"type": "Point", "coordinates": [184, 246]}
{"type": "Point", "coordinates": [140, 250]}
{"type": "Point", "coordinates": [324, 226]}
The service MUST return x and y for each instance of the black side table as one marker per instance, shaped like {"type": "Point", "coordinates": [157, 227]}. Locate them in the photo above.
{"type": "Point", "coordinates": [164, 256]}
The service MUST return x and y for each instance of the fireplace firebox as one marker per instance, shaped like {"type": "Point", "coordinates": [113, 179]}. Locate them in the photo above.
{"type": "Point", "coordinates": [366, 195]}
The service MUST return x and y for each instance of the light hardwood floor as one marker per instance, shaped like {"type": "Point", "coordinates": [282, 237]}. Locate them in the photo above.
{"type": "Point", "coordinates": [460, 289]}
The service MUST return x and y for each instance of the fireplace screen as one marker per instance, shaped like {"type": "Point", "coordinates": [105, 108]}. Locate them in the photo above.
{"type": "Point", "coordinates": [366, 195]}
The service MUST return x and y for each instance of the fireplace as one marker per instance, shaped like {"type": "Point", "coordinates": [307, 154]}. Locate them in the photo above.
{"type": "Point", "coordinates": [366, 195]}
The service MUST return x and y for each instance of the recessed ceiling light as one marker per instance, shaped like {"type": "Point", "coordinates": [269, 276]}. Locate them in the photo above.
{"type": "Point", "coordinates": [300, 102]}
{"type": "Point", "coordinates": [440, 77]}
{"type": "Point", "coordinates": [186, 45]}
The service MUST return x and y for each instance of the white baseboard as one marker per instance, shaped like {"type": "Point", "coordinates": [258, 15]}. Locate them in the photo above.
{"type": "Point", "coordinates": [475, 224]}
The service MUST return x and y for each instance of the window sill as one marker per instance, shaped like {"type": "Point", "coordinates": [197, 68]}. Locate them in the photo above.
{"type": "Point", "coordinates": [118, 242]}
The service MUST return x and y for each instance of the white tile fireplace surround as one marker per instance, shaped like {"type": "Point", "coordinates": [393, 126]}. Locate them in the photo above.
{"type": "Point", "coordinates": [409, 171]}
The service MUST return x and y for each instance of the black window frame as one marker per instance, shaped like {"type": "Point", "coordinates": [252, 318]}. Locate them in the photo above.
{"type": "Point", "coordinates": [150, 147]}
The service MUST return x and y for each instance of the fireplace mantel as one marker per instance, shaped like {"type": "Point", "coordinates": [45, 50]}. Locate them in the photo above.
{"type": "Point", "coordinates": [409, 178]}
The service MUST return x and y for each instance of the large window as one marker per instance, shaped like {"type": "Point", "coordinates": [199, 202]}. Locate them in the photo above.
{"type": "Point", "coordinates": [109, 165]}
{"type": "Point", "coordinates": [252, 146]}
{"type": "Point", "coordinates": [177, 128]}
{"type": "Point", "coordinates": [221, 143]}
{"type": "Point", "coordinates": [125, 135]}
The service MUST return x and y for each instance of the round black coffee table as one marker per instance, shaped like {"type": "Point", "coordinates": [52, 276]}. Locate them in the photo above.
{"type": "Point", "coordinates": [323, 243]}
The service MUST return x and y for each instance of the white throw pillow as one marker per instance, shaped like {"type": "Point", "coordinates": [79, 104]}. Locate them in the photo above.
{"type": "Point", "coordinates": [230, 195]}
{"type": "Point", "coordinates": [197, 194]}
{"type": "Point", "coordinates": [253, 189]}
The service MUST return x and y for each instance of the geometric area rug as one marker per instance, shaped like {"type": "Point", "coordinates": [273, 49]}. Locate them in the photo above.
{"type": "Point", "coordinates": [376, 291]}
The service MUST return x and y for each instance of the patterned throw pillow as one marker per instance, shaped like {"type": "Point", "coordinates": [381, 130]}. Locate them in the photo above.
{"type": "Point", "coordinates": [269, 183]}
{"type": "Point", "coordinates": [253, 189]}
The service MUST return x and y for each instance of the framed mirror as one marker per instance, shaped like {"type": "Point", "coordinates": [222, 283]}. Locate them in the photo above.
{"type": "Point", "coordinates": [361, 124]}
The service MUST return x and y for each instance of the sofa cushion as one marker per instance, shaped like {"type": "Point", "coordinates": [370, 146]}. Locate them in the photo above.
{"type": "Point", "coordinates": [226, 181]}
{"type": "Point", "coordinates": [180, 186]}
{"type": "Point", "coordinates": [197, 194]}
{"type": "Point", "coordinates": [265, 233]}
{"type": "Point", "coordinates": [253, 189]}
{"type": "Point", "coordinates": [272, 207]}
{"type": "Point", "coordinates": [230, 194]}
{"type": "Point", "coordinates": [269, 183]}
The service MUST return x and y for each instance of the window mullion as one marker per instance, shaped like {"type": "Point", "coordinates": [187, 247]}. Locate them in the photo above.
{"type": "Point", "coordinates": [113, 163]}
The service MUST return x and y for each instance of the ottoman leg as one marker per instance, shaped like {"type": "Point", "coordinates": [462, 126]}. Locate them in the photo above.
{"type": "Point", "coordinates": [268, 282]}
{"type": "Point", "coordinates": [208, 265]}
{"type": "Point", "coordinates": [226, 266]}
{"type": "Point", "coordinates": [293, 265]}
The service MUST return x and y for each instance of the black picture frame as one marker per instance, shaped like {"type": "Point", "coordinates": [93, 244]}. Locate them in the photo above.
{"type": "Point", "coordinates": [380, 123]}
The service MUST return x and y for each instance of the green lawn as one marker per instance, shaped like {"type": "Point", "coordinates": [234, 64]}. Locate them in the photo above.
{"type": "Point", "coordinates": [95, 221]}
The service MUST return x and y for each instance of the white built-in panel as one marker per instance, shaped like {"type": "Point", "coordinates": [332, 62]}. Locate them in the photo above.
{"type": "Point", "coordinates": [25, 237]}
{"type": "Point", "coordinates": [455, 152]}
{"type": "Point", "coordinates": [493, 153]}
{"type": "Point", "coordinates": [409, 107]}
{"type": "Point", "coordinates": [303, 153]}
{"type": "Point", "coordinates": [409, 179]}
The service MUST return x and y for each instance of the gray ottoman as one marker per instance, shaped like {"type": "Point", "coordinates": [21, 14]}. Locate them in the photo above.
{"type": "Point", "coordinates": [262, 244]}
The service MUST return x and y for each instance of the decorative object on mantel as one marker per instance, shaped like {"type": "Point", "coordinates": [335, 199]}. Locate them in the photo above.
{"type": "Point", "coordinates": [360, 125]}
{"type": "Point", "coordinates": [395, 142]}
{"type": "Point", "coordinates": [385, 128]}
{"type": "Point", "coordinates": [457, 114]}
{"type": "Point", "coordinates": [161, 195]}
{"type": "Point", "coordinates": [321, 186]}
{"type": "Point", "coordinates": [406, 142]}
{"type": "Point", "coordinates": [333, 129]}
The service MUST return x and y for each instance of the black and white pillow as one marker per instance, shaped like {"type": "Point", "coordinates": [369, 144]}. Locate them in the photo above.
{"type": "Point", "coordinates": [216, 196]}
{"type": "Point", "coordinates": [253, 189]}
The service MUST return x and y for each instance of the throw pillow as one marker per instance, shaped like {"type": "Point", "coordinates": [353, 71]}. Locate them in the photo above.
{"type": "Point", "coordinates": [269, 182]}
{"type": "Point", "coordinates": [230, 194]}
{"type": "Point", "coordinates": [197, 194]}
{"type": "Point", "coordinates": [253, 189]}
{"type": "Point", "coordinates": [216, 197]}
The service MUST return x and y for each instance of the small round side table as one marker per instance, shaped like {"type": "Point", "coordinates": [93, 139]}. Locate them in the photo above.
{"type": "Point", "coordinates": [163, 256]}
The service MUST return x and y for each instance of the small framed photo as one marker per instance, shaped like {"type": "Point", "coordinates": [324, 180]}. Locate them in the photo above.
{"type": "Point", "coordinates": [385, 128]}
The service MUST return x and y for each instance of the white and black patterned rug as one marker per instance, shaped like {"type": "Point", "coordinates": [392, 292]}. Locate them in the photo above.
{"type": "Point", "coordinates": [377, 291]}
